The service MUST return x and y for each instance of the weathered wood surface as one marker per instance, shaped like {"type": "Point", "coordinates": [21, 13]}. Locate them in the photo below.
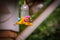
{"type": "Point", "coordinates": [8, 15]}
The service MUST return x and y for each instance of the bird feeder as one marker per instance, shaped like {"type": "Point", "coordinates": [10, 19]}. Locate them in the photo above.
{"type": "Point", "coordinates": [24, 9]}
{"type": "Point", "coordinates": [25, 18]}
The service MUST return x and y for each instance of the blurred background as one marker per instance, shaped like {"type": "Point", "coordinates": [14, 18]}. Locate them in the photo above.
{"type": "Point", "coordinates": [50, 28]}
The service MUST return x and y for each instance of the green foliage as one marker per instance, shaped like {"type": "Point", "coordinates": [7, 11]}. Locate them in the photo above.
{"type": "Point", "coordinates": [21, 2]}
{"type": "Point", "coordinates": [46, 3]}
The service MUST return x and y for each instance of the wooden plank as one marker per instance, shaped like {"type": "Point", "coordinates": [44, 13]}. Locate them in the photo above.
{"type": "Point", "coordinates": [6, 34]}
{"type": "Point", "coordinates": [23, 35]}
{"type": "Point", "coordinates": [6, 39]}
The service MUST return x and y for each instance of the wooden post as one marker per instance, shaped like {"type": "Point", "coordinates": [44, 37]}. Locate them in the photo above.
{"type": "Point", "coordinates": [8, 16]}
